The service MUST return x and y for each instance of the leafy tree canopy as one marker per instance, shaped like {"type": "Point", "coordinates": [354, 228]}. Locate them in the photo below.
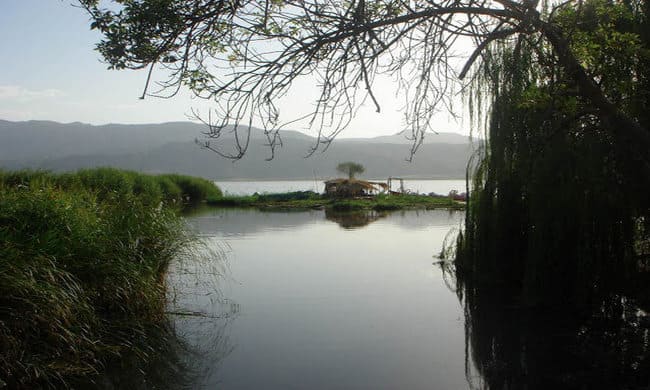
{"type": "Point", "coordinates": [350, 168]}
{"type": "Point", "coordinates": [557, 192]}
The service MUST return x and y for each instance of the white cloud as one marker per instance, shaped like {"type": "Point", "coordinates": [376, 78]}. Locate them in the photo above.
{"type": "Point", "coordinates": [22, 94]}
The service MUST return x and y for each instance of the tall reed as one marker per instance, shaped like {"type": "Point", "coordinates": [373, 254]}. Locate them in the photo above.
{"type": "Point", "coordinates": [83, 259]}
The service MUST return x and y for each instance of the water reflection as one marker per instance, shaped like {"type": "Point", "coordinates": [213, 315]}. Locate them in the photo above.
{"type": "Point", "coordinates": [320, 307]}
{"type": "Point", "coordinates": [249, 222]}
{"type": "Point", "coordinates": [199, 313]}
{"type": "Point", "coordinates": [177, 360]}
{"type": "Point", "coordinates": [354, 220]}
{"type": "Point", "coordinates": [233, 222]}
{"type": "Point", "coordinates": [302, 303]}
{"type": "Point", "coordinates": [517, 348]}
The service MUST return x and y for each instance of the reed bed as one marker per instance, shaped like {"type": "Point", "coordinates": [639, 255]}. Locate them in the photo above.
{"type": "Point", "coordinates": [83, 259]}
{"type": "Point", "coordinates": [111, 182]}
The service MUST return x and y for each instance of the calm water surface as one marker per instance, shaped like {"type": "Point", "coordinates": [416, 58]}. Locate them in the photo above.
{"type": "Point", "coordinates": [314, 300]}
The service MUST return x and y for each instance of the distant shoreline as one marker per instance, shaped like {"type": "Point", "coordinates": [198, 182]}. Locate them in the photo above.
{"type": "Point", "coordinates": [329, 177]}
{"type": "Point", "coordinates": [304, 200]}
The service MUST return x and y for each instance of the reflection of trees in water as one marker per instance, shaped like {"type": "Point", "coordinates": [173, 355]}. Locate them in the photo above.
{"type": "Point", "coordinates": [354, 219]}
{"type": "Point", "coordinates": [206, 344]}
{"type": "Point", "coordinates": [246, 222]}
{"type": "Point", "coordinates": [512, 347]}
{"type": "Point", "coordinates": [557, 207]}
{"type": "Point", "coordinates": [196, 341]}
{"type": "Point", "coordinates": [242, 222]}
{"type": "Point", "coordinates": [413, 219]}
{"type": "Point", "coordinates": [175, 363]}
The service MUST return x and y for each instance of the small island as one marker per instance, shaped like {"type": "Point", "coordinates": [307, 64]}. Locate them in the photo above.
{"type": "Point", "coordinates": [346, 194]}
{"type": "Point", "coordinates": [345, 199]}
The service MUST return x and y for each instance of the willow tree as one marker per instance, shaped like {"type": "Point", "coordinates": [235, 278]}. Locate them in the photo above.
{"type": "Point", "coordinates": [558, 203]}
{"type": "Point", "coordinates": [245, 55]}
{"type": "Point", "coordinates": [559, 216]}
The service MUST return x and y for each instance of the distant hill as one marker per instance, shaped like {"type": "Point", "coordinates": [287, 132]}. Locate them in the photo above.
{"type": "Point", "coordinates": [170, 147]}
{"type": "Point", "coordinates": [402, 139]}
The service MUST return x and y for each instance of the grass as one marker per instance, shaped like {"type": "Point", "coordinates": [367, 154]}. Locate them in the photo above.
{"type": "Point", "coordinates": [83, 259]}
{"type": "Point", "coordinates": [112, 182]}
{"type": "Point", "coordinates": [309, 199]}
{"type": "Point", "coordinates": [297, 199]}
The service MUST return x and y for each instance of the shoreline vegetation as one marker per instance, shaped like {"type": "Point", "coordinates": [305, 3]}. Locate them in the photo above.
{"type": "Point", "coordinates": [83, 260]}
{"type": "Point", "coordinates": [83, 264]}
{"type": "Point", "coordinates": [323, 178]}
{"type": "Point", "coordinates": [311, 200]}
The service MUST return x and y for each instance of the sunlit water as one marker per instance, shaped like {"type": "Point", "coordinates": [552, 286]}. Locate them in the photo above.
{"type": "Point", "coordinates": [307, 303]}
{"type": "Point", "coordinates": [441, 187]}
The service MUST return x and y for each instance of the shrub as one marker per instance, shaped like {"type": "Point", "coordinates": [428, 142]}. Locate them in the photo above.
{"type": "Point", "coordinates": [170, 190]}
{"type": "Point", "coordinates": [194, 189]}
{"type": "Point", "coordinates": [81, 274]}
{"type": "Point", "coordinates": [232, 201]}
{"type": "Point", "coordinates": [106, 181]}
{"type": "Point", "coordinates": [347, 205]}
{"type": "Point", "coordinates": [111, 182]}
{"type": "Point", "coordinates": [289, 196]}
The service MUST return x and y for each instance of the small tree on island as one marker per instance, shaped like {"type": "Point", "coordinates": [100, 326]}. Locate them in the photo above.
{"type": "Point", "coordinates": [351, 168]}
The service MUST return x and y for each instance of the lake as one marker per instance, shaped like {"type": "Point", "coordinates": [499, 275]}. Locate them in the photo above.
{"type": "Point", "coordinates": [324, 300]}
{"type": "Point", "coordinates": [320, 300]}
{"type": "Point", "coordinates": [441, 187]}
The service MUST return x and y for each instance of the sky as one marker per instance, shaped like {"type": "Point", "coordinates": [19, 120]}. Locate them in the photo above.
{"type": "Point", "coordinates": [50, 71]}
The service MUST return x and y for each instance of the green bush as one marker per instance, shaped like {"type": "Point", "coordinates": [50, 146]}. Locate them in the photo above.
{"type": "Point", "coordinates": [147, 188]}
{"type": "Point", "coordinates": [107, 181]}
{"type": "Point", "coordinates": [194, 189]}
{"type": "Point", "coordinates": [233, 201]}
{"type": "Point", "coordinates": [170, 190]}
{"type": "Point", "coordinates": [348, 205]}
{"type": "Point", "coordinates": [288, 196]}
{"type": "Point", "coordinates": [23, 178]}
{"type": "Point", "coordinates": [81, 273]}
{"type": "Point", "coordinates": [111, 182]}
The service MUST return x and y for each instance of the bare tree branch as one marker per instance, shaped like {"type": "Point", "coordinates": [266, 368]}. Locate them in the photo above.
{"type": "Point", "coordinates": [246, 55]}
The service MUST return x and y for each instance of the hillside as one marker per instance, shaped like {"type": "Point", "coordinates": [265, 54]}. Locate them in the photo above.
{"type": "Point", "coordinates": [170, 147]}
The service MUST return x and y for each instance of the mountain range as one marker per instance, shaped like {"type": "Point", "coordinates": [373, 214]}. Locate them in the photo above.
{"type": "Point", "coordinates": [171, 147]}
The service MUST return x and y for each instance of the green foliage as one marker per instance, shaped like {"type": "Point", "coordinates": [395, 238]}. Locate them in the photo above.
{"type": "Point", "coordinates": [82, 262]}
{"type": "Point", "coordinates": [549, 263]}
{"type": "Point", "coordinates": [108, 183]}
{"type": "Point", "coordinates": [194, 189]}
{"type": "Point", "coordinates": [555, 197]}
{"type": "Point", "coordinates": [606, 37]}
{"type": "Point", "coordinates": [289, 196]}
{"type": "Point", "coordinates": [349, 205]}
{"type": "Point", "coordinates": [309, 199]}
{"type": "Point", "coordinates": [171, 189]}
{"type": "Point", "coordinates": [81, 280]}
{"type": "Point", "coordinates": [395, 202]}
{"type": "Point", "coordinates": [299, 199]}
{"type": "Point", "coordinates": [233, 201]}
{"type": "Point", "coordinates": [350, 168]}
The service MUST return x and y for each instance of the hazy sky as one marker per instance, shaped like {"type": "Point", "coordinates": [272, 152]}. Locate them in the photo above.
{"type": "Point", "coordinates": [50, 71]}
